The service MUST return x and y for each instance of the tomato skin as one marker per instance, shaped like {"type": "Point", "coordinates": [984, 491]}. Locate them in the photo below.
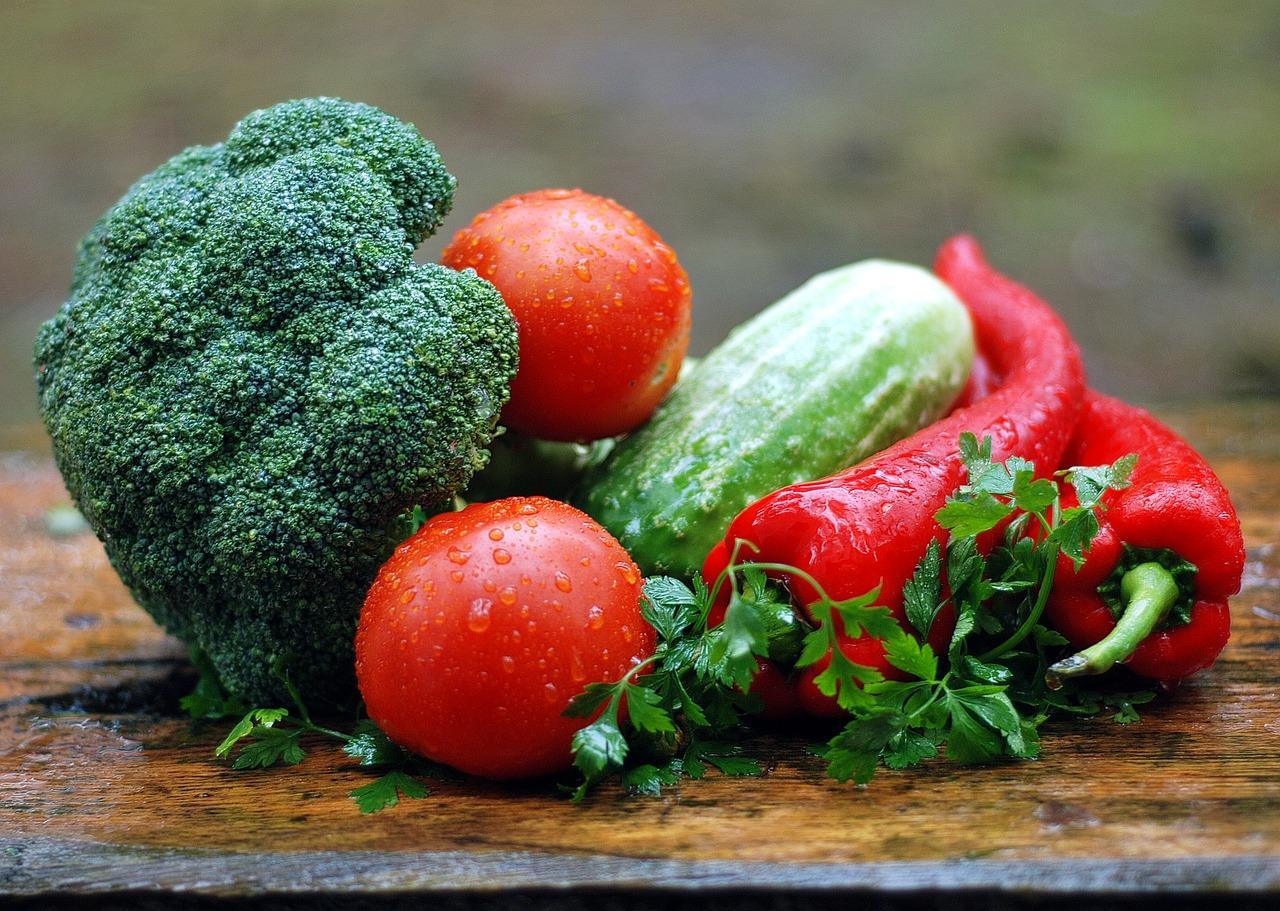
{"type": "Point", "coordinates": [603, 308]}
{"type": "Point", "coordinates": [481, 627]}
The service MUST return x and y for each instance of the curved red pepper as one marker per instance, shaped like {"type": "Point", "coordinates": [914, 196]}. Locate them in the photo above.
{"type": "Point", "coordinates": [869, 525]}
{"type": "Point", "coordinates": [1175, 503]}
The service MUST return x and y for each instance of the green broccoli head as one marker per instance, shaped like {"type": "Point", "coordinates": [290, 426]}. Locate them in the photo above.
{"type": "Point", "coordinates": [252, 381]}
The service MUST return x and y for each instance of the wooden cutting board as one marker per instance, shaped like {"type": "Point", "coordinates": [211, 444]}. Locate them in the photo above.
{"type": "Point", "coordinates": [105, 792]}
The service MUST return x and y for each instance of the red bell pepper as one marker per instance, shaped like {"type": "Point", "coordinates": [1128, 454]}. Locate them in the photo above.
{"type": "Point", "coordinates": [869, 525]}
{"type": "Point", "coordinates": [1168, 545]}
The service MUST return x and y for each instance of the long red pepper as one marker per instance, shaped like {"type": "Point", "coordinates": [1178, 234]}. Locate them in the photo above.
{"type": "Point", "coordinates": [1175, 510]}
{"type": "Point", "coordinates": [869, 525]}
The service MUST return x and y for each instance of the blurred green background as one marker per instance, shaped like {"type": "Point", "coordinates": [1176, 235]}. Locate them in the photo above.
{"type": "Point", "coordinates": [1121, 157]}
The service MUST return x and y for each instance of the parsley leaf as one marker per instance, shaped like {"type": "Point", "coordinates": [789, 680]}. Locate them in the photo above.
{"type": "Point", "coordinates": [736, 643]}
{"type": "Point", "coordinates": [906, 653]}
{"type": "Point", "coordinates": [599, 746]}
{"type": "Point", "coordinates": [270, 746]}
{"type": "Point", "coordinates": [908, 748]}
{"type": "Point", "coordinates": [644, 708]}
{"type": "Point", "coordinates": [1091, 482]}
{"type": "Point", "coordinates": [921, 593]}
{"type": "Point", "coordinates": [650, 779]}
{"type": "Point", "coordinates": [969, 517]}
{"type": "Point", "coordinates": [854, 753]}
{"type": "Point", "coordinates": [385, 792]}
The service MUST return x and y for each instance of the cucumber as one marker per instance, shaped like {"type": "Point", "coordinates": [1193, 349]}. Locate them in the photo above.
{"type": "Point", "coordinates": [851, 361]}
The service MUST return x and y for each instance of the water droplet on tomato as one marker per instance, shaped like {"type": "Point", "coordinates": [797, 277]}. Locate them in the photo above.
{"type": "Point", "coordinates": [457, 555]}
{"type": "Point", "coordinates": [495, 534]}
{"type": "Point", "coordinates": [563, 582]}
{"type": "Point", "coordinates": [501, 556]}
{"type": "Point", "coordinates": [527, 509]}
{"type": "Point", "coordinates": [632, 266]}
{"type": "Point", "coordinates": [576, 670]}
{"type": "Point", "coordinates": [550, 693]}
{"type": "Point", "coordinates": [507, 596]}
{"type": "Point", "coordinates": [595, 617]}
{"type": "Point", "coordinates": [628, 571]}
{"type": "Point", "coordinates": [478, 618]}
{"type": "Point", "coordinates": [456, 575]}
{"type": "Point", "coordinates": [407, 596]}
{"type": "Point", "coordinates": [583, 270]}
{"type": "Point", "coordinates": [508, 664]}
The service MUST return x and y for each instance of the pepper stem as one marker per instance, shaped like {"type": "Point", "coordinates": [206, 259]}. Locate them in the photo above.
{"type": "Point", "coordinates": [1149, 591]}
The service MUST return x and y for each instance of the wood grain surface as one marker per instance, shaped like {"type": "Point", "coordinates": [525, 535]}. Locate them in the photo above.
{"type": "Point", "coordinates": [105, 791]}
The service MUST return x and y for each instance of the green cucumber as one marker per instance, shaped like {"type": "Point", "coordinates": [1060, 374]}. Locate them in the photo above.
{"type": "Point", "coordinates": [851, 361]}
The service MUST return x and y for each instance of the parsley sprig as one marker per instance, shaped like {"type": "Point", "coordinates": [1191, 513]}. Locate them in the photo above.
{"type": "Point", "coordinates": [983, 700]}
{"type": "Point", "coordinates": [991, 699]}
{"type": "Point", "coordinates": [267, 737]}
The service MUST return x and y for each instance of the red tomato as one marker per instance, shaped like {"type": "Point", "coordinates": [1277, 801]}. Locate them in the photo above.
{"type": "Point", "coordinates": [483, 625]}
{"type": "Point", "coordinates": [602, 304]}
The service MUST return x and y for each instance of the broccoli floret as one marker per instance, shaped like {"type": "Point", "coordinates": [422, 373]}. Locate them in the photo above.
{"type": "Point", "coordinates": [252, 381]}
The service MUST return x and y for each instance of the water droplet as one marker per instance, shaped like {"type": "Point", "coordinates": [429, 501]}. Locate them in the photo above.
{"type": "Point", "coordinates": [563, 582]}
{"type": "Point", "coordinates": [490, 586]}
{"type": "Point", "coordinates": [595, 617]}
{"type": "Point", "coordinates": [501, 556]}
{"type": "Point", "coordinates": [407, 596]}
{"type": "Point", "coordinates": [632, 266]}
{"type": "Point", "coordinates": [456, 575]}
{"type": "Point", "coordinates": [528, 509]}
{"type": "Point", "coordinates": [458, 556]}
{"type": "Point", "coordinates": [507, 596]}
{"type": "Point", "coordinates": [627, 635]}
{"type": "Point", "coordinates": [524, 610]}
{"type": "Point", "coordinates": [576, 670]}
{"type": "Point", "coordinates": [478, 618]}
{"type": "Point", "coordinates": [628, 571]}
{"type": "Point", "coordinates": [532, 523]}
{"type": "Point", "coordinates": [585, 561]}
{"type": "Point", "coordinates": [583, 269]}
{"type": "Point", "coordinates": [550, 693]}
{"type": "Point", "coordinates": [495, 534]}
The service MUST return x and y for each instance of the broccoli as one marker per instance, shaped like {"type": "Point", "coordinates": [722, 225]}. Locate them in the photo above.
{"type": "Point", "coordinates": [252, 381]}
